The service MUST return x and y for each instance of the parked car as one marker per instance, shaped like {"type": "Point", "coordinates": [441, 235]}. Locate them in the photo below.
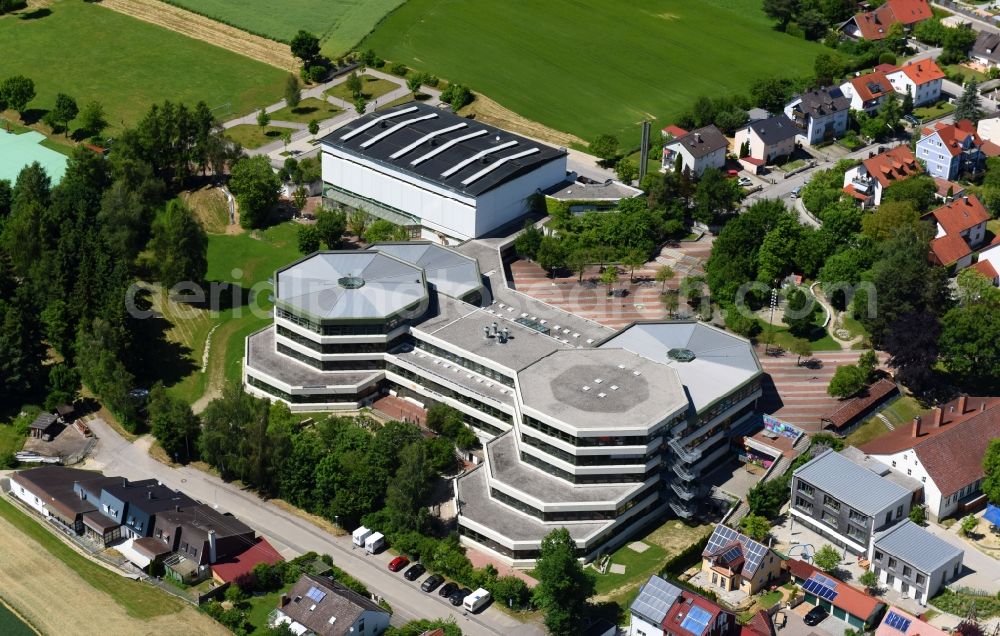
{"type": "Point", "coordinates": [458, 596]}
{"type": "Point", "coordinates": [796, 192]}
{"type": "Point", "coordinates": [447, 589]}
{"type": "Point", "coordinates": [415, 571]}
{"type": "Point", "coordinates": [398, 563]}
{"type": "Point", "coordinates": [431, 582]}
{"type": "Point", "coordinates": [816, 616]}
{"type": "Point", "coordinates": [912, 119]}
{"type": "Point", "coordinates": [745, 181]}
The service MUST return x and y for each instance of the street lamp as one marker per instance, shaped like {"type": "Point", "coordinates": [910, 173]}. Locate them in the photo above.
{"type": "Point", "coordinates": [770, 321]}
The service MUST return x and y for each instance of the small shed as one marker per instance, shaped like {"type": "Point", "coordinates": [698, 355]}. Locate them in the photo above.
{"type": "Point", "coordinates": [44, 424]}
{"type": "Point", "coordinates": [65, 412]}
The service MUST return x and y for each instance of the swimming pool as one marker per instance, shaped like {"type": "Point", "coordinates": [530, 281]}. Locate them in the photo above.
{"type": "Point", "coordinates": [18, 151]}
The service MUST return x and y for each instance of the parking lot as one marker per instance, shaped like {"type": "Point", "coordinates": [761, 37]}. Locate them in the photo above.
{"type": "Point", "coordinates": [795, 626]}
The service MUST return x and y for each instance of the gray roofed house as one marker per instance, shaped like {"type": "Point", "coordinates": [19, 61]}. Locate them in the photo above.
{"type": "Point", "coordinates": [442, 148]}
{"type": "Point", "coordinates": [722, 361]}
{"type": "Point", "coordinates": [702, 141]}
{"type": "Point", "coordinates": [821, 102]}
{"type": "Point", "coordinates": [318, 605]}
{"type": "Point", "coordinates": [821, 114]}
{"type": "Point", "coordinates": [774, 129]}
{"type": "Point", "coordinates": [350, 285]}
{"type": "Point", "coordinates": [854, 485]}
{"type": "Point", "coordinates": [449, 272]}
{"type": "Point", "coordinates": [846, 502]}
{"type": "Point", "coordinates": [654, 600]}
{"type": "Point", "coordinates": [986, 49]}
{"type": "Point", "coordinates": [699, 150]}
{"type": "Point", "coordinates": [909, 556]}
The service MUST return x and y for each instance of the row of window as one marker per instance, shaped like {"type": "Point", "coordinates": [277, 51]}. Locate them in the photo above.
{"type": "Point", "coordinates": [587, 460]}
{"type": "Point", "coordinates": [353, 347]}
{"type": "Point", "coordinates": [332, 365]}
{"type": "Point", "coordinates": [907, 570]}
{"type": "Point", "coordinates": [475, 367]}
{"type": "Point", "coordinates": [470, 420]}
{"type": "Point", "coordinates": [583, 479]}
{"type": "Point", "coordinates": [455, 395]}
{"type": "Point", "coordinates": [353, 329]}
{"type": "Point", "coordinates": [315, 398]}
{"type": "Point", "coordinates": [551, 431]}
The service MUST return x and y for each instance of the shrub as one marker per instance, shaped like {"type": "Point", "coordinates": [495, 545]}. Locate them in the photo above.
{"type": "Point", "coordinates": [398, 69]}
{"type": "Point", "coordinates": [317, 73]}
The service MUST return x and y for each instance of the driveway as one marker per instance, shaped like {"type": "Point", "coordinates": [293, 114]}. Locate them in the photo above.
{"type": "Point", "coordinates": [292, 535]}
{"type": "Point", "coordinates": [830, 626]}
{"type": "Point", "coordinates": [979, 571]}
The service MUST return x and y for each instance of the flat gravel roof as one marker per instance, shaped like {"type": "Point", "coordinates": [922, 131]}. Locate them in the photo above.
{"type": "Point", "coordinates": [262, 356]}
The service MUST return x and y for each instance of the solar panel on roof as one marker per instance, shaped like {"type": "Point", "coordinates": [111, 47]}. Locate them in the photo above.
{"type": "Point", "coordinates": [696, 620]}
{"type": "Point", "coordinates": [655, 599]}
{"type": "Point", "coordinates": [895, 621]}
{"type": "Point", "coordinates": [316, 594]}
{"type": "Point", "coordinates": [732, 553]}
{"type": "Point", "coordinates": [818, 587]}
{"type": "Point", "coordinates": [822, 580]}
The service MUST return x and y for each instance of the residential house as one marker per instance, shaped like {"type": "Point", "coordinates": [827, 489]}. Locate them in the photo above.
{"type": "Point", "coordinates": [734, 561]}
{"type": "Point", "coordinates": [985, 50]}
{"type": "Point", "coordinates": [914, 562]}
{"type": "Point", "coordinates": [867, 92]}
{"type": "Point", "coordinates": [944, 451]}
{"type": "Point", "coordinates": [949, 150]}
{"type": "Point", "coordinates": [868, 181]}
{"type": "Point", "coordinates": [135, 504]}
{"type": "Point", "coordinates": [820, 114]}
{"type": "Point", "coordinates": [922, 79]}
{"type": "Point", "coordinates": [960, 228]}
{"type": "Point", "coordinates": [699, 150]}
{"type": "Point", "coordinates": [242, 563]}
{"type": "Point", "coordinates": [875, 24]}
{"type": "Point", "coordinates": [768, 139]}
{"type": "Point", "coordinates": [947, 190]}
{"type": "Point", "coordinates": [760, 624]}
{"type": "Point", "coordinates": [663, 609]}
{"type": "Point", "coordinates": [54, 492]}
{"type": "Point", "coordinates": [989, 263]}
{"type": "Point", "coordinates": [859, 610]}
{"type": "Point", "coordinates": [846, 502]}
{"type": "Point", "coordinates": [202, 536]}
{"type": "Point", "coordinates": [321, 606]}
{"type": "Point", "coordinates": [896, 622]}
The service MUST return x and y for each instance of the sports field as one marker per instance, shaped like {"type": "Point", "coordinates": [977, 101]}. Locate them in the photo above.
{"type": "Point", "coordinates": [590, 66]}
{"type": "Point", "coordinates": [90, 52]}
{"type": "Point", "coordinates": [340, 24]}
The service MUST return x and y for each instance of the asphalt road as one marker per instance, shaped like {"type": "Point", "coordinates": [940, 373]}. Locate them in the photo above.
{"type": "Point", "coordinates": [292, 535]}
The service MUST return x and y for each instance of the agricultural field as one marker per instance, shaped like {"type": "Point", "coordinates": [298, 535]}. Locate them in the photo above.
{"type": "Point", "coordinates": [127, 64]}
{"type": "Point", "coordinates": [340, 25]}
{"type": "Point", "coordinates": [588, 67]}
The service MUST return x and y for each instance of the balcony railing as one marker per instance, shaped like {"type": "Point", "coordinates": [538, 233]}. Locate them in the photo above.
{"type": "Point", "coordinates": [689, 456]}
{"type": "Point", "coordinates": [683, 492]}
{"type": "Point", "coordinates": [682, 473]}
{"type": "Point", "coordinates": [680, 510]}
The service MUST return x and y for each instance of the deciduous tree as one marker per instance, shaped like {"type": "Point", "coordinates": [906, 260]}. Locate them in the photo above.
{"type": "Point", "coordinates": [173, 424]}
{"type": "Point", "coordinates": [17, 91]}
{"type": "Point", "coordinates": [331, 225]}
{"type": "Point", "coordinates": [991, 471]}
{"type": "Point", "coordinates": [308, 238]}
{"type": "Point", "coordinates": [256, 187]}
{"type": "Point", "coordinates": [92, 119]}
{"type": "Point", "coordinates": [846, 381]}
{"type": "Point", "coordinates": [64, 111]}
{"type": "Point", "coordinates": [827, 558]}
{"type": "Point", "coordinates": [293, 91]}
{"type": "Point", "coordinates": [563, 585]}
{"type": "Point", "coordinates": [305, 46]}
{"type": "Point", "coordinates": [755, 527]}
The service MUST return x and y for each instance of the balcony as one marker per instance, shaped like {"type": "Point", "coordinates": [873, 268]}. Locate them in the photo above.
{"type": "Point", "coordinates": [861, 185]}
{"type": "Point", "coordinates": [683, 492]}
{"type": "Point", "coordinates": [689, 456]}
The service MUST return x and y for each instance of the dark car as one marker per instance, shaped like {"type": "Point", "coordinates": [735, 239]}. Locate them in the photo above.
{"type": "Point", "coordinates": [815, 616]}
{"type": "Point", "coordinates": [398, 563]}
{"type": "Point", "coordinates": [431, 582]}
{"type": "Point", "coordinates": [447, 589]}
{"type": "Point", "coordinates": [458, 596]}
{"type": "Point", "coordinates": [414, 572]}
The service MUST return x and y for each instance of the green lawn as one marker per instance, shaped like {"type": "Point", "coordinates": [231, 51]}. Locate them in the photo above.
{"type": "Point", "coordinates": [590, 66]}
{"type": "Point", "coordinates": [261, 607]}
{"type": "Point", "coordinates": [900, 413]}
{"type": "Point", "coordinates": [234, 258]}
{"type": "Point", "coordinates": [933, 111]}
{"type": "Point", "coordinates": [819, 340]}
{"type": "Point", "coordinates": [137, 599]}
{"type": "Point", "coordinates": [372, 88]}
{"type": "Point", "coordinates": [340, 25]}
{"type": "Point", "coordinates": [251, 135]}
{"type": "Point", "coordinates": [966, 72]}
{"type": "Point", "coordinates": [11, 440]}
{"type": "Point", "coordinates": [638, 567]}
{"type": "Point", "coordinates": [307, 110]}
{"type": "Point", "coordinates": [90, 52]}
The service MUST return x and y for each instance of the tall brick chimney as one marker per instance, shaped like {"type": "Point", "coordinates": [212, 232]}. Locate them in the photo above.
{"type": "Point", "coordinates": [938, 415]}
{"type": "Point", "coordinates": [283, 601]}
{"type": "Point", "coordinates": [916, 426]}
{"type": "Point", "coordinates": [961, 404]}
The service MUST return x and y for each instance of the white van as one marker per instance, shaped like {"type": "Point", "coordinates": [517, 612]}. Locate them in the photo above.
{"type": "Point", "coordinates": [374, 543]}
{"type": "Point", "coordinates": [476, 600]}
{"type": "Point", "coordinates": [360, 535]}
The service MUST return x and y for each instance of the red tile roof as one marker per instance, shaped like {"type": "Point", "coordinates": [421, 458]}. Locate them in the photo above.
{"type": "Point", "coordinates": [922, 71]}
{"type": "Point", "coordinates": [849, 599]}
{"type": "Point", "coordinates": [945, 449]}
{"type": "Point", "coordinates": [675, 131]}
{"type": "Point", "coordinates": [986, 269]}
{"type": "Point", "coordinates": [864, 84]}
{"type": "Point", "coordinates": [242, 563]}
{"type": "Point", "coordinates": [885, 68]}
{"type": "Point", "coordinates": [949, 249]}
{"type": "Point", "coordinates": [990, 149]}
{"type": "Point", "coordinates": [953, 136]}
{"type": "Point", "coordinates": [874, 25]}
{"type": "Point", "coordinates": [893, 165]}
{"type": "Point", "coordinates": [678, 612]}
{"type": "Point", "coordinates": [943, 185]}
{"type": "Point", "coordinates": [849, 189]}
{"type": "Point", "coordinates": [961, 214]}
{"type": "Point", "coordinates": [851, 408]}
{"type": "Point", "coordinates": [760, 625]}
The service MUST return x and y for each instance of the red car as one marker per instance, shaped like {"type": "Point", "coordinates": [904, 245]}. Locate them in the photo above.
{"type": "Point", "coordinates": [398, 563]}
